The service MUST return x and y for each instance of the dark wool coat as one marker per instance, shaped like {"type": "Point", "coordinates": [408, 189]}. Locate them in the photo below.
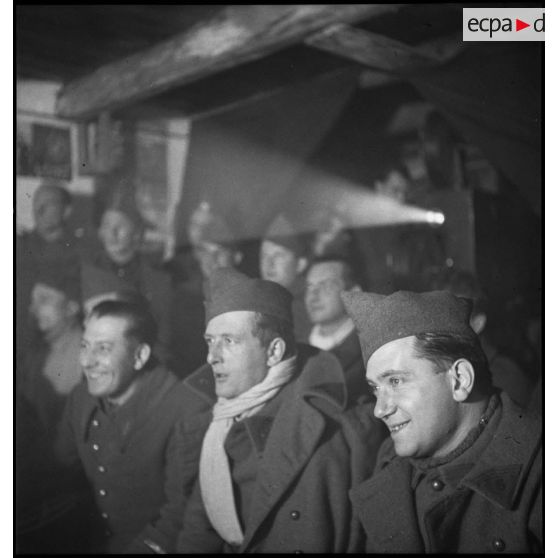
{"type": "Point", "coordinates": [140, 472]}
{"type": "Point", "coordinates": [312, 452]}
{"type": "Point", "coordinates": [301, 320]}
{"type": "Point", "coordinates": [493, 499]}
{"type": "Point", "coordinates": [349, 354]}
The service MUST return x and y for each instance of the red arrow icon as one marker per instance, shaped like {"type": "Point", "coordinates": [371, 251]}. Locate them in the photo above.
{"type": "Point", "coordinates": [519, 25]}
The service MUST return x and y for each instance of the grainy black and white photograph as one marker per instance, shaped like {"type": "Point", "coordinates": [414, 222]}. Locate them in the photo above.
{"type": "Point", "coordinates": [278, 278]}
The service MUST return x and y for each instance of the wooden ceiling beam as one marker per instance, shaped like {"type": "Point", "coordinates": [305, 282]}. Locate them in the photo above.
{"type": "Point", "coordinates": [235, 35]}
{"type": "Point", "coordinates": [381, 53]}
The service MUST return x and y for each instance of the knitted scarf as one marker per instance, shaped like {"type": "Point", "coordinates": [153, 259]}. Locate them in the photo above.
{"type": "Point", "coordinates": [215, 476]}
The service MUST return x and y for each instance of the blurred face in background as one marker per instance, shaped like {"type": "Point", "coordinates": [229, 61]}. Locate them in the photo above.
{"type": "Point", "coordinates": [324, 283]}
{"type": "Point", "coordinates": [279, 264]}
{"type": "Point", "coordinates": [395, 186]}
{"type": "Point", "coordinates": [120, 236]}
{"type": "Point", "coordinates": [52, 310]}
{"type": "Point", "coordinates": [211, 256]}
{"type": "Point", "coordinates": [49, 213]}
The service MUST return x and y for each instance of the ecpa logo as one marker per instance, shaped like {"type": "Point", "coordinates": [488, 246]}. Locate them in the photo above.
{"type": "Point", "coordinates": [503, 24]}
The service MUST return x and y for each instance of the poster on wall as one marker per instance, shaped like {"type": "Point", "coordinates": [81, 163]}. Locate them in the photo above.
{"type": "Point", "coordinates": [51, 151]}
{"type": "Point", "coordinates": [43, 150]}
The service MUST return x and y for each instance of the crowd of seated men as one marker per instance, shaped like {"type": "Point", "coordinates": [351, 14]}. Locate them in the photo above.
{"type": "Point", "coordinates": [213, 411]}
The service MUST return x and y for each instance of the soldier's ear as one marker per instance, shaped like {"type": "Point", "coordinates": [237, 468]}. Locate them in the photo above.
{"type": "Point", "coordinates": [462, 375]}
{"type": "Point", "coordinates": [301, 265]}
{"type": "Point", "coordinates": [143, 352]}
{"type": "Point", "coordinates": [478, 322]}
{"type": "Point", "coordinates": [275, 351]}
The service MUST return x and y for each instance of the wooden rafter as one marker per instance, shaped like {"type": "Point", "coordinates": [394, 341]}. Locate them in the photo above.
{"type": "Point", "coordinates": [236, 35]}
{"type": "Point", "coordinates": [382, 53]}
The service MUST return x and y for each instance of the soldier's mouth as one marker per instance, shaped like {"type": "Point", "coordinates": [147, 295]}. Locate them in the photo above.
{"type": "Point", "coordinates": [398, 427]}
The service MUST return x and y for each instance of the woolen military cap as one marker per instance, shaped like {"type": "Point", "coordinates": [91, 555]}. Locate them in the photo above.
{"type": "Point", "coordinates": [282, 232]}
{"type": "Point", "coordinates": [380, 319]}
{"type": "Point", "coordinates": [61, 275]}
{"type": "Point", "coordinates": [230, 291]}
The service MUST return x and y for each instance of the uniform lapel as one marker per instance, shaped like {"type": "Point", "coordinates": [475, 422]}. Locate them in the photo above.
{"type": "Point", "coordinates": [283, 458]}
{"type": "Point", "coordinates": [385, 506]}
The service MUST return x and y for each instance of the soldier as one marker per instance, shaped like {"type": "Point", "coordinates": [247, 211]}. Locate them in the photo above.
{"type": "Point", "coordinates": [462, 469]}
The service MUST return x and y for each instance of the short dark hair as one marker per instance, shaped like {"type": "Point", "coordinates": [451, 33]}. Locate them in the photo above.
{"type": "Point", "coordinates": [348, 271]}
{"type": "Point", "coordinates": [141, 323]}
{"type": "Point", "coordinates": [443, 349]}
{"type": "Point", "coordinates": [267, 327]}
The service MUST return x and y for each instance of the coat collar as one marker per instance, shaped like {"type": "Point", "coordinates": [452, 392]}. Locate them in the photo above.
{"type": "Point", "coordinates": [282, 462]}
{"type": "Point", "coordinates": [300, 417]}
{"type": "Point", "coordinates": [322, 378]}
{"type": "Point", "coordinates": [202, 383]}
{"type": "Point", "coordinates": [322, 381]}
{"type": "Point", "coordinates": [503, 467]}
{"type": "Point", "coordinates": [138, 409]}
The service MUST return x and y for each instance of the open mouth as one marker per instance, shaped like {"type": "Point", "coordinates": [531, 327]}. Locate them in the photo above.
{"type": "Point", "coordinates": [219, 377]}
{"type": "Point", "coordinates": [398, 427]}
{"type": "Point", "coordinates": [94, 376]}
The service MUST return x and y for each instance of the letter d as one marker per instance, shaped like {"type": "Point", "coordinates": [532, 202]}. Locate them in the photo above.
{"type": "Point", "coordinates": [539, 24]}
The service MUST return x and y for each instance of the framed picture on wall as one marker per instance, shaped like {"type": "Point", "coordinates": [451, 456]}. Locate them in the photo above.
{"type": "Point", "coordinates": [43, 150]}
{"type": "Point", "coordinates": [51, 151]}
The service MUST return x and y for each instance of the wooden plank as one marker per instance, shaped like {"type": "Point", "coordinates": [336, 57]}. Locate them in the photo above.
{"type": "Point", "coordinates": [235, 35]}
{"type": "Point", "coordinates": [382, 53]}
{"type": "Point", "coordinates": [104, 153]}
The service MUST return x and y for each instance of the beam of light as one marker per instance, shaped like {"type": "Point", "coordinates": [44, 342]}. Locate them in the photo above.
{"type": "Point", "coordinates": [252, 184]}
{"type": "Point", "coordinates": [356, 205]}
{"type": "Point", "coordinates": [435, 217]}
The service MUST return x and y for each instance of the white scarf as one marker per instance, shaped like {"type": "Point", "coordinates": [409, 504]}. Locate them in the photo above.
{"type": "Point", "coordinates": [328, 342]}
{"type": "Point", "coordinates": [215, 475]}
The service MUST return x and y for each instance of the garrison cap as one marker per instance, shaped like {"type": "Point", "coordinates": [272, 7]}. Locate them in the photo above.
{"type": "Point", "coordinates": [282, 232]}
{"type": "Point", "coordinates": [230, 291]}
{"type": "Point", "coordinates": [380, 319]}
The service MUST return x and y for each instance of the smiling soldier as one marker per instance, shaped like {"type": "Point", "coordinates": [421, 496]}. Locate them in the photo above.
{"type": "Point", "coordinates": [118, 426]}
{"type": "Point", "coordinates": [462, 470]}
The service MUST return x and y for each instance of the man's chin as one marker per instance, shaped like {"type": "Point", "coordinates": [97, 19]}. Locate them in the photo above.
{"type": "Point", "coordinates": [95, 389]}
{"type": "Point", "coordinates": [120, 258]}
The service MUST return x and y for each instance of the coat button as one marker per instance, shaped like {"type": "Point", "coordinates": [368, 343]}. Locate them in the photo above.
{"type": "Point", "coordinates": [437, 485]}
{"type": "Point", "coordinates": [108, 533]}
{"type": "Point", "coordinates": [298, 552]}
{"type": "Point", "coordinates": [498, 545]}
{"type": "Point", "coordinates": [95, 422]}
{"type": "Point", "coordinates": [101, 469]}
{"type": "Point", "coordinates": [295, 514]}
{"type": "Point", "coordinates": [102, 492]}
{"type": "Point", "coordinates": [95, 447]}
{"type": "Point", "coordinates": [104, 515]}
